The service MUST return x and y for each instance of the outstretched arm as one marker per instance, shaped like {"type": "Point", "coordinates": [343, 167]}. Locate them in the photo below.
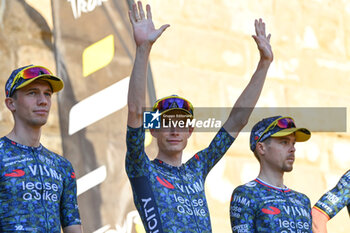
{"type": "Point", "coordinates": [245, 104]}
{"type": "Point", "coordinates": [144, 35]}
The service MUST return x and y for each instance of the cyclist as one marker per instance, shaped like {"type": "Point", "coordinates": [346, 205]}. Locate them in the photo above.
{"type": "Point", "coordinates": [331, 203]}
{"type": "Point", "coordinates": [266, 204]}
{"type": "Point", "coordinates": [169, 195]}
{"type": "Point", "coordinates": [37, 186]}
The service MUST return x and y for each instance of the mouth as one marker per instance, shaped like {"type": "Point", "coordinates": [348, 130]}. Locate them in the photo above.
{"type": "Point", "coordinates": [291, 158]}
{"type": "Point", "coordinates": [173, 141]}
{"type": "Point", "coordinates": [41, 112]}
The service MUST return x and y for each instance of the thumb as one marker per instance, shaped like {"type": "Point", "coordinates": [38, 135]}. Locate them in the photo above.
{"type": "Point", "coordinates": [163, 28]}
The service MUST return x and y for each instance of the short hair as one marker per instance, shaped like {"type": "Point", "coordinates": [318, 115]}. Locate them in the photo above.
{"type": "Point", "coordinates": [267, 141]}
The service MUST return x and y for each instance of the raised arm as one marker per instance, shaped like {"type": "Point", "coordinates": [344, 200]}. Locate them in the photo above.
{"type": "Point", "coordinates": [144, 35]}
{"type": "Point", "coordinates": [245, 104]}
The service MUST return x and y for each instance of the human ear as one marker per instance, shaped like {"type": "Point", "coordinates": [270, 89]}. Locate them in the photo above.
{"type": "Point", "coordinates": [10, 104]}
{"type": "Point", "coordinates": [260, 148]}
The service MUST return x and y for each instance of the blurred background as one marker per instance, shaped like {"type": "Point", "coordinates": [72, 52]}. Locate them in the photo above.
{"type": "Point", "coordinates": [208, 56]}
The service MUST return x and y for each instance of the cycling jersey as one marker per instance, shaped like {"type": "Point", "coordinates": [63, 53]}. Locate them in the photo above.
{"type": "Point", "coordinates": [336, 199]}
{"type": "Point", "coordinates": [168, 198]}
{"type": "Point", "coordinates": [260, 207]}
{"type": "Point", "coordinates": [37, 189]}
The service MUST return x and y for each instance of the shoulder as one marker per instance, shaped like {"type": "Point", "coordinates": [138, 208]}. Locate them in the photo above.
{"type": "Point", "coordinates": [248, 190]}
{"type": "Point", "coordinates": [300, 196]}
{"type": "Point", "coordinates": [59, 158]}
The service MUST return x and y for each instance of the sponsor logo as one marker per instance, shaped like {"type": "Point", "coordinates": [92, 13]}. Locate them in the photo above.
{"type": "Point", "coordinates": [241, 200]}
{"type": "Point", "coordinates": [332, 198]}
{"type": "Point", "coordinates": [40, 191]}
{"type": "Point", "coordinates": [16, 173]}
{"type": "Point", "coordinates": [291, 226]}
{"type": "Point", "coordinates": [196, 156]}
{"type": "Point", "coordinates": [297, 211]}
{"type": "Point", "coordinates": [271, 210]}
{"type": "Point", "coordinates": [150, 214]}
{"type": "Point", "coordinates": [241, 228]}
{"type": "Point", "coordinates": [165, 183]}
{"type": "Point", "coordinates": [45, 171]}
{"type": "Point", "coordinates": [192, 188]}
{"type": "Point", "coordinates": [251, 184]}
{"type": "Point", "coordinates": [324, 207]}
{"type": "Point", "coordinates": [190, 207]}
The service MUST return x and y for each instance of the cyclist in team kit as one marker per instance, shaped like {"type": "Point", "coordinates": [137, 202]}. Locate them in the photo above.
{"type": "Point", "coordinates": [266, 204]}
{"type": "Point", "coordinates": [168, 194]}
{"type": "Point", "coordinates": [331, 203]}
{"type": "Point", "coordinates": [37, 186]}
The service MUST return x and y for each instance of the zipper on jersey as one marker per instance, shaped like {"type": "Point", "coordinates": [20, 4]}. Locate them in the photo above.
{"type": "Point", "coordinates": [189, 198]}
{"type": "Point", "coordinates": [42, 190]}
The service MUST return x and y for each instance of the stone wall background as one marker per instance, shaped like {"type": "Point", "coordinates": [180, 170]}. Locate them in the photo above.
{"type": "Point", "coordinates": [208, 56]}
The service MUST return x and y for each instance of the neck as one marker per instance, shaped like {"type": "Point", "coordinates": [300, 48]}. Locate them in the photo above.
{"type": "Point", "coordinates": [272, 177]}
{"type": "Point", "coordinates": [172, 159]}
{"type": "Point", "coordinates": [25, 136]}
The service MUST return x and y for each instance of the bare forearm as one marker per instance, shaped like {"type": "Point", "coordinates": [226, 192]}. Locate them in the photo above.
{"type": "Point", "coordinates": [246, 102]}
{"type": "Point", "coordinates": [319, 221]}
{"type": "Point", "coordinates": [137, 86]}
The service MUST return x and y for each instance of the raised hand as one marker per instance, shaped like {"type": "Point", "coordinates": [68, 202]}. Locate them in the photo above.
{"type": "Point", "coordinates": [143, 28]}
{"type": "Point", "coordinates": [263, 41]}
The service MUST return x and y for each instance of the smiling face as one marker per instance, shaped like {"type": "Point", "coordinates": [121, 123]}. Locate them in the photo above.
{"type": "Point", "coordinates": [31, 104]}
{"type": "Point", "coordinates": [278, 153]}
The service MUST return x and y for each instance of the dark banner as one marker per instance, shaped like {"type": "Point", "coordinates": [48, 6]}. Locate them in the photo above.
{"type": "Point", "coordinates": [94, 52]}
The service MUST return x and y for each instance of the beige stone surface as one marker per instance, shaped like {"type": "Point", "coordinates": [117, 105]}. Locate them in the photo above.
{"type": "Point", "coordinates": [208, 56]}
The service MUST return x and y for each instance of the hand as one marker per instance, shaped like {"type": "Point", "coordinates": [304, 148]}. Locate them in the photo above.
{"type": "Point", "coordinates": [262, 41]}
{"type": "Point", "coordinates": [144, 31]}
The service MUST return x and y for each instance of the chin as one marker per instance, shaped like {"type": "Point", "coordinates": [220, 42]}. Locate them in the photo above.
{"type": "Point", "coordinates": [288, 169]}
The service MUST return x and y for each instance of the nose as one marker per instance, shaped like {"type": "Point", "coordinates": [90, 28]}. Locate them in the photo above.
{"type": "Point", "coordinates": [292, 149]}
{"type": "Point", "coordinates": [43, 99]}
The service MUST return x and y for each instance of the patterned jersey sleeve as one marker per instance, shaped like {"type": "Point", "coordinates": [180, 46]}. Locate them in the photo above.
{"type": "Point", "coordinates": [336, 199]}
{"type": "Point", "coordinates": [69, 211]}
{"type": "Point", "coordinates": [242, 212]}
{"type": "Point", "coordinates": [208, 157]}
{"type": "Point", "coordinates": [136, 157]}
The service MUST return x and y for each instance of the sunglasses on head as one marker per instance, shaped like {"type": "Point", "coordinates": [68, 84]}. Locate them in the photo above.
{"type": "Point", "coordinates": [173, 103]}
{"type": "Point", "coordinates": [283, 123]}
{"type": "Point", "coordinates": [28, 73]}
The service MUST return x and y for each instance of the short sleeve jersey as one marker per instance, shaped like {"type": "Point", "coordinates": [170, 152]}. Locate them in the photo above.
{"type": "Point", "coordinates": [168, 198]}
{"type": "Point", "coordinates": [336, 199]}
{"type": "Point", "coordinates": [260, 207]}
{"type": "Point", "coordinates": [37, 189]}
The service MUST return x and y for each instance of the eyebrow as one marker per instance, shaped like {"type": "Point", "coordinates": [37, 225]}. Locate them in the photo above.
{"type": "Point", "coordinates": [36, 89]}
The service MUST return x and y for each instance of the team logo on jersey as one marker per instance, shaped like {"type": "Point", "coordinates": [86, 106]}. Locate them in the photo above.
{"type": "Point", "coordinates": [16, 173]}
{"type": "Point", "coordinates": [271, 210]}
{"type": "Point", "coordinates": [165, 183]}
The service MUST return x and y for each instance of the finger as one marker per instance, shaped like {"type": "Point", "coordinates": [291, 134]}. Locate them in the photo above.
{"type": "Point", "coordinates": [256, 25]}
{"type": "Point", "coordinates": [148, 10]}
{"type": "Point", "coordinates": [131, 18]}
{"type": "Point", "coordinates": [135, 12]}
{"type": "Point", "coordinates": [268, 37]}
{"type": "Point", "coordinates": [162, 29]}
{"type": "Point", "coordinates": [263, 28]}
{"type": "Point", "coordinates": [256, 39]}
{"type": "Point", "coordinates": [142, 13]}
